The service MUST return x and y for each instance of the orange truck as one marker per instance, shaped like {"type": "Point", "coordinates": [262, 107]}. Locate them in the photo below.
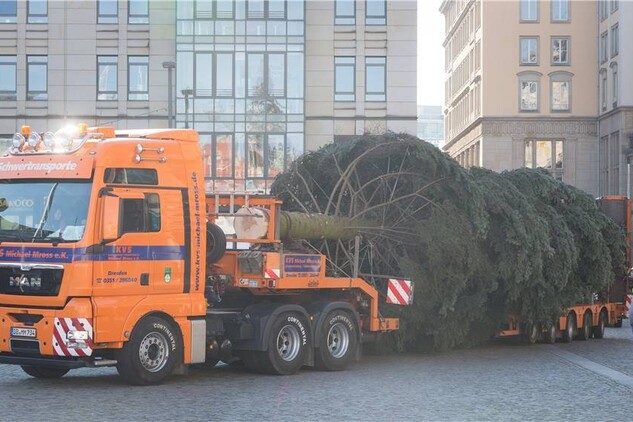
{"type": "Point", "coordinates": [587, 320]}
{"type": "Point", "coordinates": [109, 256]}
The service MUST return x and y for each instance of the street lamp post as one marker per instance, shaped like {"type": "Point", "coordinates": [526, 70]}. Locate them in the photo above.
{"type": "Point", "coordinates": [187, 93]}
{"type": "Point", "coordinates": [170, 92]}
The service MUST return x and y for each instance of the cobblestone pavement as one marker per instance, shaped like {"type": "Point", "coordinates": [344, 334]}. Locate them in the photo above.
{"type": "Point", "coordinates": [501, 381]}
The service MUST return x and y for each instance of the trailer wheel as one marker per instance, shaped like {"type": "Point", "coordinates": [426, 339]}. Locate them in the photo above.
{"type": "Point", "coordinates": [531, 334]}
{"type": "Point", "coordinates": [287, 346]}
{"type": "Point", "coordinates": [549, 335]}
{"type": "Point", "coordinates": [598, 330]}
{"type": "Point", "coordinates": [585, 331]}
{"type": "Point", "coordinates": [338, 342]}
{"type": "Point", "coordinates": [216, 243]}
{"type": "Point", "coordinates": [151, 354]}
{"type": "Point", "coordinates": [570, 328]}
{"type": "Point", "coordinates": [45, 372]}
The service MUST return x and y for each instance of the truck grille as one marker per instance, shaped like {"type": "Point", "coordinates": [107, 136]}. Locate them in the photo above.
{"type": "Point", "coordinates": [36, 282]}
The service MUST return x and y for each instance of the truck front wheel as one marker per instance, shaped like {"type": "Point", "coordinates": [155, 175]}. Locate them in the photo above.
{"type": "Point", "coordinates": [44, 372]}
{"type": "Point", "coordinates": [151, 354]}
{"type": "Point", "coordinates": [338, 342]}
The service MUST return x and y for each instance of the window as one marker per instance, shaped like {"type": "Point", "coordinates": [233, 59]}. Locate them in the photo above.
{"type": "Point", "coordinates": [223, 9]}
{"type": "Point", "coordinates": [603, 89]}
{"type": "Point", "coordinates": [376, 12]}
{"type": "Point", "coordinates": [260, 9]}
{"type": "Point", "coordinates": [345, 12]}
{"type": "Point", "coordinates": [344, 78]}
{"type": "Point", "coordinates": [614, 81]}
{"type": "Point", "coordinates": [214, 75]}
{"type": "Point", "coordinates": [529, 10]}
{"type": "Point", "coordinates": [547, 154]}
{"type": "Point", "coordinates": [615, 40]}
{"type": "Point", "coordinates": [560, 10]}
{"type": "Point", "coordinates": [137, 84]}
{"type": "Point", "coordinates": [529, 91]}
{"type": "Point", "coordinates": [604, 54]}
{"type": "Point", "coordinates": [8, 75]}
{"type": "Point", "coordinates": [560, 51]}
{"type": "Point", "coordinates": [107, 11]}
{"type": "Point", "coordinates": [265, 155]}
{"type": "Point", "coordinates": [614, 163]}
{"type": "Point", "coordinates": [529, 51]}
{"type": "Point", "coordinates": [375, 78]}
{"type": "Point", "coordinates": [560, 84]}
{"type": "Point", "coordinates": [107, 78]}
{"type": "Point", "coordinates": [614, 5]}
{"type": "Point", "coordinates": [8, 11]}
{"type": "Point", "coordinates": [37, 11]}
{"type": "Point", "coordinates": [266, 74]}
{"type": "Point", "coordinates": [131, 176]}
{"type": "Point", "coordinates": [218, 155]}
{"type": "Point", "coordinates": [604, 9]}
{"type": "Point", "coordinates": [37, 78]}
{"type": "Point", "coordinates": [138, 11]}
{"type": "Point", "coordinates": [140, 215]}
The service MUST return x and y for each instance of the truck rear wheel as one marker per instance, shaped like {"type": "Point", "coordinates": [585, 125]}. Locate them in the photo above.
{"type": "Point", "coordinates": [287, 346]}
{"type": "Point", "coordinates": [45, 372]}
{"type": "Point", "coordinates": [570, 328]}
{"type": "Point", "coordinates": [585, 331]}
{"type": "Point", "coordinates": [151, 354]}
{"type": "Point", "coordinates": [598, 330]}
{"type": "Point", "coordinates": [549, 334]}
{"type": "Point", "coordinates": [338, 342]}
{"type": "Point", "coordinates": [531, 334]}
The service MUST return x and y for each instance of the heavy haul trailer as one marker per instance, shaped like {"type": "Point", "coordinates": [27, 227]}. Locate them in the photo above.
{"type": "Point", "coordinates": [109, 257]}
{"type": "Point", "coordinates": [584, 321]}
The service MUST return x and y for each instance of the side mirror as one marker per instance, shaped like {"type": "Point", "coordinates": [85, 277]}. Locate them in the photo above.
{"type": "Point", "coordinates": [111, 230]}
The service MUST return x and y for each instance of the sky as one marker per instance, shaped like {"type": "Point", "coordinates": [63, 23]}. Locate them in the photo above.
{"type": "Point", "coordinates": [430, 53]}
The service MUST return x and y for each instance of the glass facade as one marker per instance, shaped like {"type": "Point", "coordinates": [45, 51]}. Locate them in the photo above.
{"type": "Point", "coordinates": [240, 84]}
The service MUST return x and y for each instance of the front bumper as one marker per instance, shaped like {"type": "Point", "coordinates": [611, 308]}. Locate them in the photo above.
{"type": "Point", "coordinates": [69, 363]}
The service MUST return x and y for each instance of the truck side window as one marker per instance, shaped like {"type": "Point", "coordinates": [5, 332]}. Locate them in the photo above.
{"type": "Point", "coordinates": [141, 215]}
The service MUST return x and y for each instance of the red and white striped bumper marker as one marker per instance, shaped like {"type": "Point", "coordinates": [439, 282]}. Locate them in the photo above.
{"type": "Point", "coordinates": [399, 291]}
{"type": "Point", "coordinates": [63, 346]}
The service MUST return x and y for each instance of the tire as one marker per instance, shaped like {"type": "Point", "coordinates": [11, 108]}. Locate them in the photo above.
{"type": "Point", "coordinates": [549, 334]}
{"type": "Point", "coordinates": [216, 243]}
{"type": "Point", "coordinates": [598, 330]}
{"type": "Point", "coordinates": [585, 331]}
{"type": "Point", "coordinates": [287, 342]}
{"type": "Point", "coordinates": [338, 342]}
{"type": "Point", "coordinates": [531, 334]}
{"type": "Point", "coordinates": [151, 354]}
{"type": "Point", "coordinates": [570, 328]}
{"type": "Point", "coordinates": [45, 372]}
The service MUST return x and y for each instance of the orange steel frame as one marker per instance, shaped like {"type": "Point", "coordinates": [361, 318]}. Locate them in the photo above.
{"type": "Point", "coordinates": [228, 264]}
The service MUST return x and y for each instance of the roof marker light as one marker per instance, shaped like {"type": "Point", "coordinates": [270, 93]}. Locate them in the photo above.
{"type": "Point", "coordinates": [18, 140]}
{"type": "Point", "coordinates": [34, 139]}
{"type": "Point", "coordinates": [49, 139]}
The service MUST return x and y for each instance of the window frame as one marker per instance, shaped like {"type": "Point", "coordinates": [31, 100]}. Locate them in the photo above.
{"type": "Point", "coordinates": [531, 145]}
{"type": "Point", "coordinates": [137, 19]}
{"type": "Point", "coordinates": [107, 18]}
{"type": "Point", "coordinates": [568, 42]}
{"type": "Point", "coordinates": [106, 93]}
{"type": "Point", "coordinates": [567, 4]}
{"type": "Point", "coordinates": [130, 92]}
{"type": "Point", "coordinates": [32, 94]}
{"type": "Point", "coordinates": [603, 89]}
{"type": "Point", "coordinates": [343, 19]}
{"type": "Point", "coordinates": [529, 3]}
{"type": "Point", "coordinates": [615, 82]}
{"type": "Point", "coordinates": [561, 77]}
{"type": "Point", "coordinates": [371, 20]}
{"type": "Point", "coordinates": [368, 65]}
{"type": "Point", "coordinates": [344, 62]}
{"type": "Point", "coordinates": [529, 76]}
{"type": "Point", "coordinates": [10, 17]}
{"type": "Point", "coordinates": [266, 12]}
{"type": "Point", "coordinates": [615, 40]}
{"type": "Point", "coordinates": [521, 41]}
{"type": "Point", "coordinates": [36, 18]}
{"type": "Point", "coordinates": [604, 47]}
{"type": "Point", "coordinates": [10, 61]}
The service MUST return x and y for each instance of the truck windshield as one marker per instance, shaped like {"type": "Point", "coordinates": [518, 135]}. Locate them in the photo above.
{"type": "Point", "coordinates": [51, 211]}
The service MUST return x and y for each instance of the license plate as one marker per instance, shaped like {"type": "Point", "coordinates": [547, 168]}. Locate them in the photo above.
{"type": "Point", "coordinates": [23, 332]}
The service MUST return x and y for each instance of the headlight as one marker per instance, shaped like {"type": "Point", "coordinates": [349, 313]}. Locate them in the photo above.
{"type": "Point", "coordinates": [18, 140]}
{"type": "Point", "coordinates": [64, 140]}
{"type": "Point", "coordinates": [34, 139]}
{"type": "Point", "coordinates": [49, 139]}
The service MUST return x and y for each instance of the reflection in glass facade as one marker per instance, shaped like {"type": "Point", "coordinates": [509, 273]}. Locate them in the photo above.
{"type": "Point", "coordinates": [241, 64]}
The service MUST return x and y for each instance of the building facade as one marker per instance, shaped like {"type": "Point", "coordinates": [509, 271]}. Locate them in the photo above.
{"type": "Point", "coordinates": [261, 81]}
{"type": "Point", "coordinates": [523, 93]}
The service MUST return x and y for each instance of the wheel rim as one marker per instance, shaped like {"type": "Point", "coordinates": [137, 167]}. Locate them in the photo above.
{"type": "Point", "coordinates": [288, 342]}
{"type": "Point", "coordinates": [154, 352]}
{"type": "Point", "coordinates": [338, 340]}
{"type": "Point", "coordinates": [570, 327]}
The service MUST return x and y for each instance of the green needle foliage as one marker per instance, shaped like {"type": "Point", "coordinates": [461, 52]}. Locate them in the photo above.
{"type": "Point", "coordinates": [479, 245]}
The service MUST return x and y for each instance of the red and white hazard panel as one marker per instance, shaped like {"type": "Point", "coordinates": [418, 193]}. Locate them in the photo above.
{"type": "Point", "coordinates": [73, 337]}
{"type": "Point", "coordinates": [627, 302]}
{"type": "Point", "coordinates": [272, 273]}
{"type": "Point", "coordinates": [399, 291]}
